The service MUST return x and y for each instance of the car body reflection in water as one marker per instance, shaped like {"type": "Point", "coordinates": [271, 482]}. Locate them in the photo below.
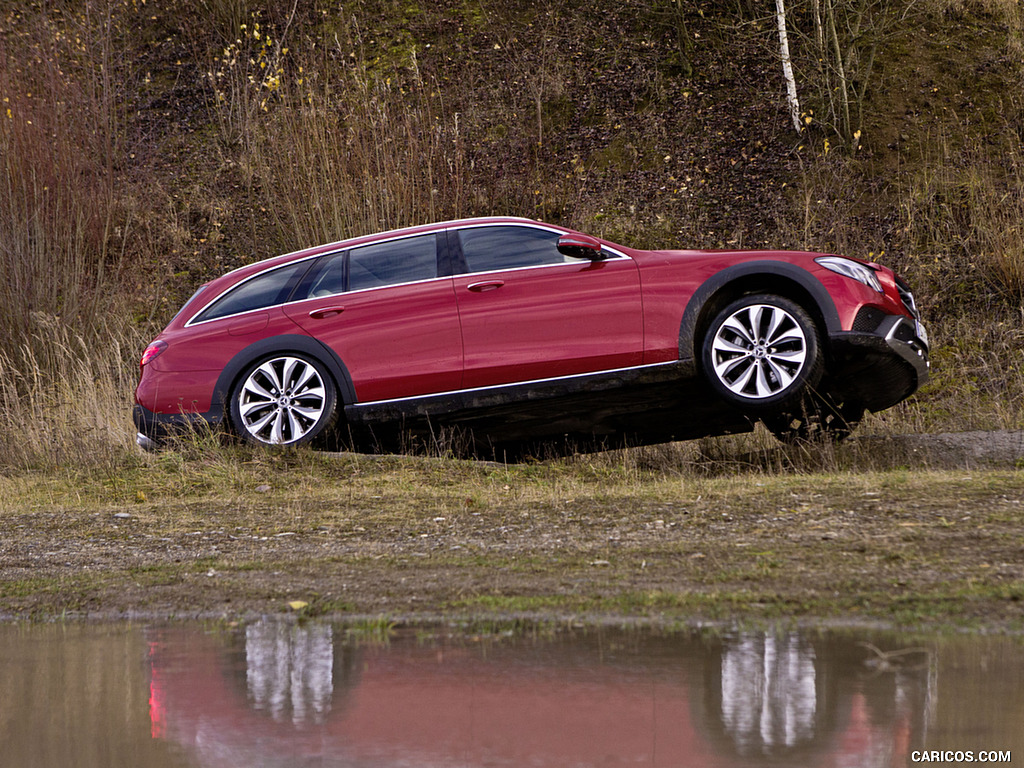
{"type": "Point", "coordinates": [279, 694]}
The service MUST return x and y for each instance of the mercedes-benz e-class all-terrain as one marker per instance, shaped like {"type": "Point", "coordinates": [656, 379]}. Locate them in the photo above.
{"type": "Point", "coordinates": [514, 332]}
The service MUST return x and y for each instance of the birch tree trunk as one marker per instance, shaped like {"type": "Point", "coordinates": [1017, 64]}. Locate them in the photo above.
{"type": "Point", "coordinates": [787, 66]}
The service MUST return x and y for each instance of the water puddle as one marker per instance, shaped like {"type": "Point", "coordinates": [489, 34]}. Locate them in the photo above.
{"type": "Point", "coordinates": [281, 694]}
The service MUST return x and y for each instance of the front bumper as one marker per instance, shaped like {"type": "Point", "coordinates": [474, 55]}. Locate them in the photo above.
{"type": "Point", "coordinates": [908, 339]}
{"type": "Point", "coordinates": [880, 367]}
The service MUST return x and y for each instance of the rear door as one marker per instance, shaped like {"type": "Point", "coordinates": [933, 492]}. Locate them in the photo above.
{"type": "Point", "coordinates": [390, 317]}
{"type": "Point", "coordinates": [528, 312]}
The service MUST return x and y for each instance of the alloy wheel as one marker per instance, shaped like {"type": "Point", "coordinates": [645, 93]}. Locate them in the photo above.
{"type": "Point", "coordinates": [282, 400]}
{"type": "Point", "coordinates": [759, 351]}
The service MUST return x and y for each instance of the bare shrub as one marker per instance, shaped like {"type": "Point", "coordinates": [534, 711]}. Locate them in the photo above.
{"type": "Point", "coordinates": [66, 238]}
{"type": "Point", "coordinates": [63, 224]}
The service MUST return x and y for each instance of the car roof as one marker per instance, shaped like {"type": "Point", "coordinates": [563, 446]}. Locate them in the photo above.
{"type": "Point", "coordinates": [316, 250]}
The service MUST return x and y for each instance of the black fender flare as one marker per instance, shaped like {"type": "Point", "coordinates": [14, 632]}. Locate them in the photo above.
{"type": "Point", "coordinates": [284, 343]}
{"type": "Point", "coordinates": [774, 271]}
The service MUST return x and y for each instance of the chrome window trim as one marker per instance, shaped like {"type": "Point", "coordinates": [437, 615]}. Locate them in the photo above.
{"type": "Point", "coordinates": [317, 298]}
{"type": "Point", "coordinates": [192, 322]}
{"type": "Point", "coordinates": [578, 263]}
{"type": "Point", "coordinates": [364, 290]}
{"type": "Point", "coordinates": [527, 224]}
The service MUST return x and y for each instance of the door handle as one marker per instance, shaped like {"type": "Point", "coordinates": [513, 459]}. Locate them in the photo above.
{"type": "Point", "coordinates": [320, 314]}
{"type": "Point", "coordinates": [486, 285]}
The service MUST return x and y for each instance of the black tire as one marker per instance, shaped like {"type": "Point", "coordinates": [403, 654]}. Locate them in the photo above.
{"type": "Point", "coordinates": [284, 399]}
{"type": "Point", "coordinates": [762, 353]}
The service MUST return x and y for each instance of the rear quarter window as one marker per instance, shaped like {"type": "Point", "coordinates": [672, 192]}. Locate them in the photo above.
{"type": "Point", "coordinates": [264, 290]}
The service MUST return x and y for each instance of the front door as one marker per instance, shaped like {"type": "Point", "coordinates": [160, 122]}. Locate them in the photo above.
{"type": "Point", "coordinates": [528, 312]}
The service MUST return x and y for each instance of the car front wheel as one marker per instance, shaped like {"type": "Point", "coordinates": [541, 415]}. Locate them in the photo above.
{"type": "Point", "coordinates": [762, 353]}
{"type": "Point", "coordinates": [288, 399]}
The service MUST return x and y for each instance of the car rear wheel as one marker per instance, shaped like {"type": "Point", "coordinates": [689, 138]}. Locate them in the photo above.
{"type": "Point", "coordinates": [762, 353]}
{"type": "Point", "coordinates": [288, 399]}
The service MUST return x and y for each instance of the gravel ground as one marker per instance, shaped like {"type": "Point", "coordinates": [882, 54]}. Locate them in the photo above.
{"type": "Point", "coordinates": [934, 540]}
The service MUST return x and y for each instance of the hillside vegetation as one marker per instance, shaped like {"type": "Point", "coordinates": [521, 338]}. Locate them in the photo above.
{"type": "Point", "coordinates": [148, 146]}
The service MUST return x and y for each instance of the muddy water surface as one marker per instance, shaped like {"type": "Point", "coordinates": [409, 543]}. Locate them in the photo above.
{"type": "Point", "coordinates": [283, 694]}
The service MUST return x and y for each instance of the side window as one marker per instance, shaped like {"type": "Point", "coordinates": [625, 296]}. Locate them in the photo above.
{"type": "Point", "coordinates": [507, 247]}
{"type": "Point", "coordinates": [265, 290]}
{"type": "Point", "coordinates": [396, 261]}
{"type": "Point", "coordinates": [325, 279]}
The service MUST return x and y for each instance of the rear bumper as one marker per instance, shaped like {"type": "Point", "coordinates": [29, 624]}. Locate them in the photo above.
{"type": "Point", "coordinates": [155, 428]}
{"type": "Point", "coordinates": [145, 442]}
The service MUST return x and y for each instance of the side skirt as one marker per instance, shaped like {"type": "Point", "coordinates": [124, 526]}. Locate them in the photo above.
{"type": "Point", "coordinates": [648, 404]}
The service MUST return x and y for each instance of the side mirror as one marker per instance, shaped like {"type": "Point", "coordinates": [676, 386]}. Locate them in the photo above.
{"type": "Point", "coordinates": [580, 247]}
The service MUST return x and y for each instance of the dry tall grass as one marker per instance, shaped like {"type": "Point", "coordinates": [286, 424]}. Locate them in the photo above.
{"type": "Point", "coordinates": [65, 401]}
{"type": "Point", "coordinates": [66, 223]}
{"type": "Point", "coordinates": [353, 157]}
{"type": "Point", "coordinates": [964, 208]}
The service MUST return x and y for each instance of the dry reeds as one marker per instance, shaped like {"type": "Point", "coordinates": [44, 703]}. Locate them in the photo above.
{"type": "Point", "coordinates": [65, 401]}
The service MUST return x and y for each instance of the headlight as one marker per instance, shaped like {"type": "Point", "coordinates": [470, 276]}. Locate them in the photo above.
{"type": "Point", "coordinates": [850, 268]}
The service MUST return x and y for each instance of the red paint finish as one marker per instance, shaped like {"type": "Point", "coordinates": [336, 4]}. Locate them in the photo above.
{"type": "Point", "coordinates": [396, 342]}
{"type": "Point", "coordinates": [531, 704]}
{"type": "Point", "coordinates": [550, 321]}
{"type": "Point", "coordinates": [182, 378]}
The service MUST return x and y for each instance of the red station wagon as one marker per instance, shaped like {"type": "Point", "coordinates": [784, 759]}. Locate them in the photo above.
{"type": "Point", "coordinates": [515, 333]}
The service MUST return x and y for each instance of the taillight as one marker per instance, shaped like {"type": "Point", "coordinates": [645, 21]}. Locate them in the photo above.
{"type": "Point", "coordinates": [152, 352]}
